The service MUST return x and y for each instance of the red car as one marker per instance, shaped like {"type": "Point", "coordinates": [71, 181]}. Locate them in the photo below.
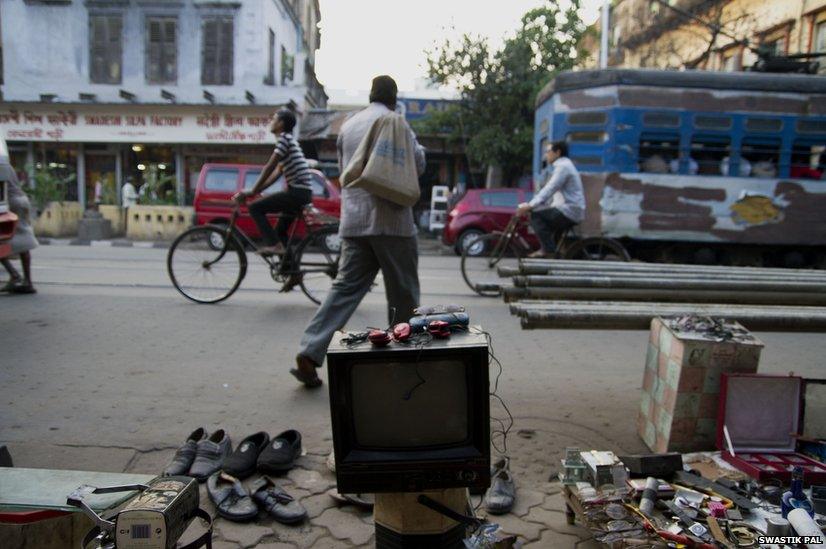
{"type": "Point", "coordinates": [482, 211]}
{"type": "Point", "coordinates": [219, 182]}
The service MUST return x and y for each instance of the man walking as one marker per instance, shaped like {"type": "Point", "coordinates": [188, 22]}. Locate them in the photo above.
{"type": "Point", "coordinates": [377, 235]}
{"type": "Point", "coordinates": [547, 218]}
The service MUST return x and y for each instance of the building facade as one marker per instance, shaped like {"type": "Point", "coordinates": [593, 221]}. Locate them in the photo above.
{"type": "Point", "coordinates": [150, 90]}
{"type": "Point", "coordinates": [720, 35]}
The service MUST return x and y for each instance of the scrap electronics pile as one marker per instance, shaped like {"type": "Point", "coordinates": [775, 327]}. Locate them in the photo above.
{"type": "Point", "coordinates": [653, 501]}
{"type": "Point", "coordinates": [549, 293]}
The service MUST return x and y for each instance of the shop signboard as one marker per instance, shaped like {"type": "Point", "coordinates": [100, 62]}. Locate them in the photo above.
{"type": "Point", "coordinates": [136, 123]}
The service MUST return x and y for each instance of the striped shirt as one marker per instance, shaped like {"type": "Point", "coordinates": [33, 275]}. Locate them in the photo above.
{"type": "Point", "coordinates": [295, 166]}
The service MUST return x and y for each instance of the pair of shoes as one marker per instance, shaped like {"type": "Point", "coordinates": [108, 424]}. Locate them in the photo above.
{"type": "Point", "coordinates": [277, 249]}
{"type": "Point", "coordinates": [540, 254]}
{"type": "Point", "coordinates": [501, 495]}
{"type": "Point", "coordinates": [233, 501]}
{"type": "Point", "coordinates": [310, 380]}
{"type": "Point", "coordinates": [257, 452]}
{"type": "Point", "coordinates": [201, 455]}
{"type": "Point", "coordinates": [292, 282]}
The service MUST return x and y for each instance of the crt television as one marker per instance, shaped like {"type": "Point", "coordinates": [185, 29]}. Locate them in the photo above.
{"type": "Point", "coordinates": [409, 418]}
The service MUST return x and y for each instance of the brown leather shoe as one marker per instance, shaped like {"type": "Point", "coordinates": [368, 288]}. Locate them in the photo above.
{"type": "Point", "coordinates": [306, 372]}
{"type": "Point", "coordinates": [292, 282]}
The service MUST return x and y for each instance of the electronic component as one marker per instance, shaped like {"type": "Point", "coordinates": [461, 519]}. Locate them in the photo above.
{"type": "Point", "coordinates": [439, 329]}
{"type": "Point", "coordinates": [379, 338]}
{"type": "Point", "coordinates": [700, 483]}
{"type": "Point", "coordinates": [401, 332]}
{"type": "Point", "coordinates": [573, 470]}
{"type": "Point", "coordinates": [154, 519]}
{"type": "Point", "coordinates": [604, 468]}
{"type": "Point", "coordinates": [653, 465]}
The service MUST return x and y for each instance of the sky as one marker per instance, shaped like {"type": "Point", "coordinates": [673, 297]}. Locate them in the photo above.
{"type": "Point", "coordinates": [364, 38]}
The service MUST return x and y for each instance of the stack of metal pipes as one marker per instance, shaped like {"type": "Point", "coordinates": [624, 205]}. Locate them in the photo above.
{"type": "Point", "coordinates": [548, 293]}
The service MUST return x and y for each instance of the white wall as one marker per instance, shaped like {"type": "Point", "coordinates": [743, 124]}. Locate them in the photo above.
{"type": "Point", "coordinates": [46, 50]}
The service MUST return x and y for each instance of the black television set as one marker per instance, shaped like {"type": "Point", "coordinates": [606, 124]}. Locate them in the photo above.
{"type": "Point", "coordinates": [410, 418]}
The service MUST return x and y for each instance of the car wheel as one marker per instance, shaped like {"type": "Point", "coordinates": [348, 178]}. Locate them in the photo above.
{"type": "Point", "coordinates": [466, 238]}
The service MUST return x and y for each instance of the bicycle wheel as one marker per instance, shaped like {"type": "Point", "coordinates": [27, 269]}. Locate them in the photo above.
{"type": "Point", "coordinates": [598, 248]}
{"type": "Point", "coordinates": [481, 259]}
{"type": "Point", "coordinates": [317, 260]}
{"type": "Point", "coordinates": [202, 274]}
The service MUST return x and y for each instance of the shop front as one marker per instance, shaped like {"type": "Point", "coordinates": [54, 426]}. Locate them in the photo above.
{"type": "Point", "coordinates": [94, 149]}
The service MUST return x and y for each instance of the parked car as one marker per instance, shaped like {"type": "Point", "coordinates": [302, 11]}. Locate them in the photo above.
{"type": "Point", "coordinates": [217, 184]}
{"type": "Point", "coordinates": [8, 220]}
{"type": "Point", "coordinates": [482, 211]}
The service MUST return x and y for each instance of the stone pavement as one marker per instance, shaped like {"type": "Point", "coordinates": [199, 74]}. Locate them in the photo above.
{"type": "Point", "coordinates": [538, 517]}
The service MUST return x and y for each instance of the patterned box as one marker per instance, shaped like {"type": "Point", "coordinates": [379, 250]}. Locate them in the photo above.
{"type": "Point", "coordinates": [681, 382]}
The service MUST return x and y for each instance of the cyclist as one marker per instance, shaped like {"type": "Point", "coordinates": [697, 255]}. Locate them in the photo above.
{"type": "Point", "coordinates": [287, 158]}
{"type": "Point", "coordinates": [550, 216]}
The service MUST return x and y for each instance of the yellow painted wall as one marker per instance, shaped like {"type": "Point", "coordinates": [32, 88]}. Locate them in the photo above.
{"type": "Point", "coordinates": [158, 222]}
{"type": "Point", "coordinates": [58, 219]}
{"type": "Point", "coordinates": [115, 215]}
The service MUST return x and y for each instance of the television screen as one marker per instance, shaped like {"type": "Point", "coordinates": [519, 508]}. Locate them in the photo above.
{"type": "Point", "coordinates": [408, 404]}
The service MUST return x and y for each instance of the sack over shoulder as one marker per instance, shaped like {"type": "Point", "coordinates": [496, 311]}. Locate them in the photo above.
{"type": "Point", "coordinates": [384, 163]}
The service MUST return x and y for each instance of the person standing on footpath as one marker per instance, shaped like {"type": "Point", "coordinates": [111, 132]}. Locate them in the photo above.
{"type": "Point", "coordinates": [377, 235]}
{"type": "Point", "coordinates": [23, 241]}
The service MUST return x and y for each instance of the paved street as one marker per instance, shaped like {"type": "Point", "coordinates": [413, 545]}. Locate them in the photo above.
{"type": "Point", "coordinates": [108, 368]}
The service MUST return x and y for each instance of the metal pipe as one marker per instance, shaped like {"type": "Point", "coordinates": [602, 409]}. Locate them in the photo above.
{"type": "Point", "coordinates": [669, 283]}
{"type": "Point", "coordinates": [530, 270]}
{"type": "Point", "coordinates": [511, 293]}
{"type": "Point", "coordinates": [579, 265]}
{"type": "Point", "coordinates": [641, 320]}
{"type": "Point", "coordinates": [668, 309]}
{"type": "Point", "coordinates": [509, 272]}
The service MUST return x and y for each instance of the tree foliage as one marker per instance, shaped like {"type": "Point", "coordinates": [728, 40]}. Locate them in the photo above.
{"type": "Point", "coordinates": [495, 112]}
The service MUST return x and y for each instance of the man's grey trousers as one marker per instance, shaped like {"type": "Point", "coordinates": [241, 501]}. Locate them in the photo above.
{"type": "Point", "coordinates": [361, 259]}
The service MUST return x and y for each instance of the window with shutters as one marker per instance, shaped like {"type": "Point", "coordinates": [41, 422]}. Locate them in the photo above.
{"type": "Point", "coordinates": [161, 50]}
{"type": "Point", "coordinates": [217, 51]}
{"type": "Point", "coordinates": [270, 79]}
{"type": "Point", "coordinates": [105, 48]}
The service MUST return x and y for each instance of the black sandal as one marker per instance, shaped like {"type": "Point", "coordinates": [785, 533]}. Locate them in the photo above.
{"type": "Point", "coordinates": [309, 381]}
{"type": "Point", "coordinates": [23, 289]}
{"type": "Point", "coordinates": [9, 286]}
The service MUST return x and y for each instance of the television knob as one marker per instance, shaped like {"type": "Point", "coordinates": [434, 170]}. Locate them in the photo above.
{"type": "Point", "coordinates": [469, 476]}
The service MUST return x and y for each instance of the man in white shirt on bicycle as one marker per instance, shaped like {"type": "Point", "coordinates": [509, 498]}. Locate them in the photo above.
{"type": "Point", "coordinates": [548, 218]}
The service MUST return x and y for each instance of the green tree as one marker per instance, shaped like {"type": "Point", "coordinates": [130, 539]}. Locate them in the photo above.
{"type": "Point", "coordinates": [49, 185]}
{"type": "Point", "coordinates": [495, 113]}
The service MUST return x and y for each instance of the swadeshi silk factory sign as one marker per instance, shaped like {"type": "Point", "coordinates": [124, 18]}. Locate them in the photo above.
{"type": "Point", "coordinates": [131, 123]}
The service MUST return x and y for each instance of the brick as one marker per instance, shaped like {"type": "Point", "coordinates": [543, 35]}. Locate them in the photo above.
{"type": "Point", "coordinates": [651, 358]}
{"type": "Point", "coordinates": [747, 358]}
{"type": "Point", "coordinates": [673, 376]}
{"type": "Point", "coordinates": [711, 383]}
{"type": "Point", "coordinates": [645, 405]}
{"type": "Point", "coordinates": [688, 406]}
{"type": "Point", "coordinates": [648, 379]}
{"type": "Point", "coordinates": [669, 399]}
{"type": "Point", "coordinates": [665, 341]}
{"type": "Point", "coordinates": [692, 380]}
{"type": "Point", "coordinates": [722, 355]}
{"type": "Point", "coordinates": [709, 406]}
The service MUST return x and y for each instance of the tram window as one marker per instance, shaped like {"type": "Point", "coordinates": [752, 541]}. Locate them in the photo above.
{"type": "Point", "coordinates": [762, 154]}
{"type": "Point", "coordinates": [811, 126]}
{"type": "Point", "coordinates": [809, 160]}
{"type": "Point", "coordinates": [764, 124]}
{"type": "Point", "coordinates": [661, 119]}
{"type": "Point", "coordinates": [657, 152]}
{"type": "Point", "coordinates": [712, 122]}
{"type": "Point", "coordinates": [711, 154]}
{"type": "Point", "coordinates": [586, 137]}
{"type": "Point", "coordinates": [588, 118]}
{"type": "Point", "coordinates": [587, 160]}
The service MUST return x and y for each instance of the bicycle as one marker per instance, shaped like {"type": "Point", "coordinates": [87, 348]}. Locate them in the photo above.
{"type": "Point", "coordinates": [207, 263]}
{"type": "Point", "coordinates": [483, 256]}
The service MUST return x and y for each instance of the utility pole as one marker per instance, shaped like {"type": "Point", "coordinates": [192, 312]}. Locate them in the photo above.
{"type": "Point", "coordinates": [603, 38]}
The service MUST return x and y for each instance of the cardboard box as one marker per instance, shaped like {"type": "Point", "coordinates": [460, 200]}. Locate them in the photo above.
{"type": "Point", "coordinates": [681, 383]}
